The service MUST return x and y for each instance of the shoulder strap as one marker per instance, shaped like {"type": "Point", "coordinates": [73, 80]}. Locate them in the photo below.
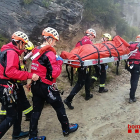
{"type": "Point", "coordinates": [80, 42]}
{"type": "Point", "coordinates": [2, 56]}
{"type": "Point", "coordinates": [3, 59]}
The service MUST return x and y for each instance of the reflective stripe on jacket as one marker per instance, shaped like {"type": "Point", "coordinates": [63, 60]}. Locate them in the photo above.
{"type": "Point", "coordinates": [46, 66]}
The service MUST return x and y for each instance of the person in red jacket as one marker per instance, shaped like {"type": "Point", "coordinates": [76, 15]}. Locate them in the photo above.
{"type": "Point", "coordinates": [27, 108]}
{"type": "Point", "coordinates": [134, 68]}
{"type": "Point", "coordinates": [9, 74]}
{"type": "Point", "coordinates": [88, 38]}
{"type": "Point", "coordinates": [100, 70]}
{"type": "Point", "coordinates": [83, 73]}
{"type": "Point", "coordinates": [48, 66]}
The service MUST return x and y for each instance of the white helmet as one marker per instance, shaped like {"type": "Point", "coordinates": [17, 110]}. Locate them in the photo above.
{"type": "Point", "coordinates": [20, 36]}
{"type": "Point", "coordinates": [91, 32]}
{"type": "Point", "coordinates": [50, 32]}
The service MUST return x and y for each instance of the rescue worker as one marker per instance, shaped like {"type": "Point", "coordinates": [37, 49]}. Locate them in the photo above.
{"type": "Point", "coordinates": [9, 74]}
{"type": "Point", "coordinates": [48, 67]}
{"type": "Point", "coordinates": [83, 73]}
{"type": "Point", "coordinates": [100, 70]}
{"type": "Point", "coordinates": [134, 68]}
{"type": "Point", "coordinates": [26, 107]}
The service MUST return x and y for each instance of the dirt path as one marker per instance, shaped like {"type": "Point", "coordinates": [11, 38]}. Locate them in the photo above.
{"type": "Point", "coordinates": [105, 117]}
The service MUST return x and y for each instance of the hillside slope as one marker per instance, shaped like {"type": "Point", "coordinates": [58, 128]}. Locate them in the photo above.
{"type": "Point", "coordinates": [105, 117]}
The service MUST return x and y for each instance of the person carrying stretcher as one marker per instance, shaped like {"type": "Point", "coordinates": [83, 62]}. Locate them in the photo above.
{"type": "Point", "coordinates": [133, 66]}
{"type": "Point", "coordinates": [100, 70]}
{"type": "Point", "coordinates": [48, 66]}
{"type": "Point", "coordinates": [83, 73]}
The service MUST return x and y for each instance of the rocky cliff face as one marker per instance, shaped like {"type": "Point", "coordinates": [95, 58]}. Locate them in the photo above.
{"type": "Point", "coordinates": [63, 15]}
{"type": "Point", "coordinates": [131, 10]}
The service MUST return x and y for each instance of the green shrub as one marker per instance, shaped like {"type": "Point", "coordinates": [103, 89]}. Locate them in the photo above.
{"type": "Point", "coordinates": [125, 31]}
{"type": "Point", "coordinates": [46, 3]}
{"type": "Point", "coordinates": [27, 1]}
{"type": "Point", "coordinates": [104, 12]}
{"type": "Point", "coordinates": [108, 13]}
{"type": "Point", "coordinates": [3, 41]}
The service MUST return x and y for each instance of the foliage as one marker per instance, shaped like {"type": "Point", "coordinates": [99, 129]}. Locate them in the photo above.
{"type": "Point", "coordinates": [125, 31]}
{"type": "Point", "coordinates": [104, 12]}
{"type": "Point", "coordinates": [46, 3]}
{"type": "Point", "coordinates": [108, 13]}
{"type": "Point", "coordinates": [3, 41]}
{"type": "Point", "coordinates": [27, 1]}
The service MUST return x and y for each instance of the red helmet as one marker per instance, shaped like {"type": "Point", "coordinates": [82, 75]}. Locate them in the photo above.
{"type": "Point", "coordinates": [91, 32]}
{"type": "Point", "coordinates": [50, 32]}
{"type": "Point", "coordinates": [20, 36]}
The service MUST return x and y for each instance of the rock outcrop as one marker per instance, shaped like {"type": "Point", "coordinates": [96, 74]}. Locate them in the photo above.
{"type": "Point", "coordinates": [31, 16]}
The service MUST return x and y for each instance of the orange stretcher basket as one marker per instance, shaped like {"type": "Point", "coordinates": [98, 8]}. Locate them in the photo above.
{"type": "Point", "coordinates": [117, 47]}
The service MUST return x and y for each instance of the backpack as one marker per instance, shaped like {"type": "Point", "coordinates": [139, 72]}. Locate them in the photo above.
{"type": "Point", "coordinates": [3, 59]}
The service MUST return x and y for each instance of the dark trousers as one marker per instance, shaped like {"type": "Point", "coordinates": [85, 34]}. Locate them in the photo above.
{"type": "Point", "coordinates": [83, 79]}
{"type": "Point", "coordinates": [14, 116]}
{"type": "Point", "coordinates": [100, 72]}
{"type": "Point", "coordinates": [25, 105]}
{"type": "Point", "coordinates": [134, 80]}
{"type": "Point", "coordinates": [24, 101]}
{"type": "Point", "coordinates": [40, 95]}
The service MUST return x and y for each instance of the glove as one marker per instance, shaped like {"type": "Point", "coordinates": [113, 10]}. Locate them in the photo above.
{"type": "Point", "coordinates": [106, 67]}
{"type": "Point", "coordinates": [59, 58]}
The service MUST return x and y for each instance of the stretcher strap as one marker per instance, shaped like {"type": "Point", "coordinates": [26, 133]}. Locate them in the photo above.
{"type": "Point", "coordinates": [98, 53]}
{"type": "Point", "coordinates": [108, 49]}
{"type": "Point", "coordinates": [116, 50]}
{"type": "Point", "coordinates": [117, 71]}
{"type": "Point", "coordinates": [81, 41]}
{"type": "Point", "coordinates": [81, 62]}
{"type": "Point", "coordinates": [133, 59]}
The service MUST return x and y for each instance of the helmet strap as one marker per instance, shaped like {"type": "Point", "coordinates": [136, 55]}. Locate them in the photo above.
{"type": "Point", "coordinates": [50, 40]}
{"type": "Point", "coordinates": [20, 45]}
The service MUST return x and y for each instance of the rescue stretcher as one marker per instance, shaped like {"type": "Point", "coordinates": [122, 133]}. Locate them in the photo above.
{"type": "Point", "coordinates": [96, 61]}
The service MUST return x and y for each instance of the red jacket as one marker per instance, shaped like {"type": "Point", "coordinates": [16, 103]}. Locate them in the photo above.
{"type": "Point", "coordinates": [136, 55]}
{"type": "Point", "coordinates": [83, 41]}
{"type": "Point", "coordinates": [12, 71]}
{"type": "Point", "coordinates": [46, 66]}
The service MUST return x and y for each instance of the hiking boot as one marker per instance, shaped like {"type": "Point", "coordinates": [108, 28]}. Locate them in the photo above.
{"type": "Point", "coordinates": [72, 128]}
{"type": "Point", "coordinates": [90, 96]}
{"type": "Point", "coordinates": [21, 135]}
{"type": "Point", "coordinates": [38, 138]}
{"type": "Point", "coordinates": [68, 104]}
{"type": "Point", "coordinates": [104, 90]}
{"type": "Point", "coordinates": [132, 100]}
